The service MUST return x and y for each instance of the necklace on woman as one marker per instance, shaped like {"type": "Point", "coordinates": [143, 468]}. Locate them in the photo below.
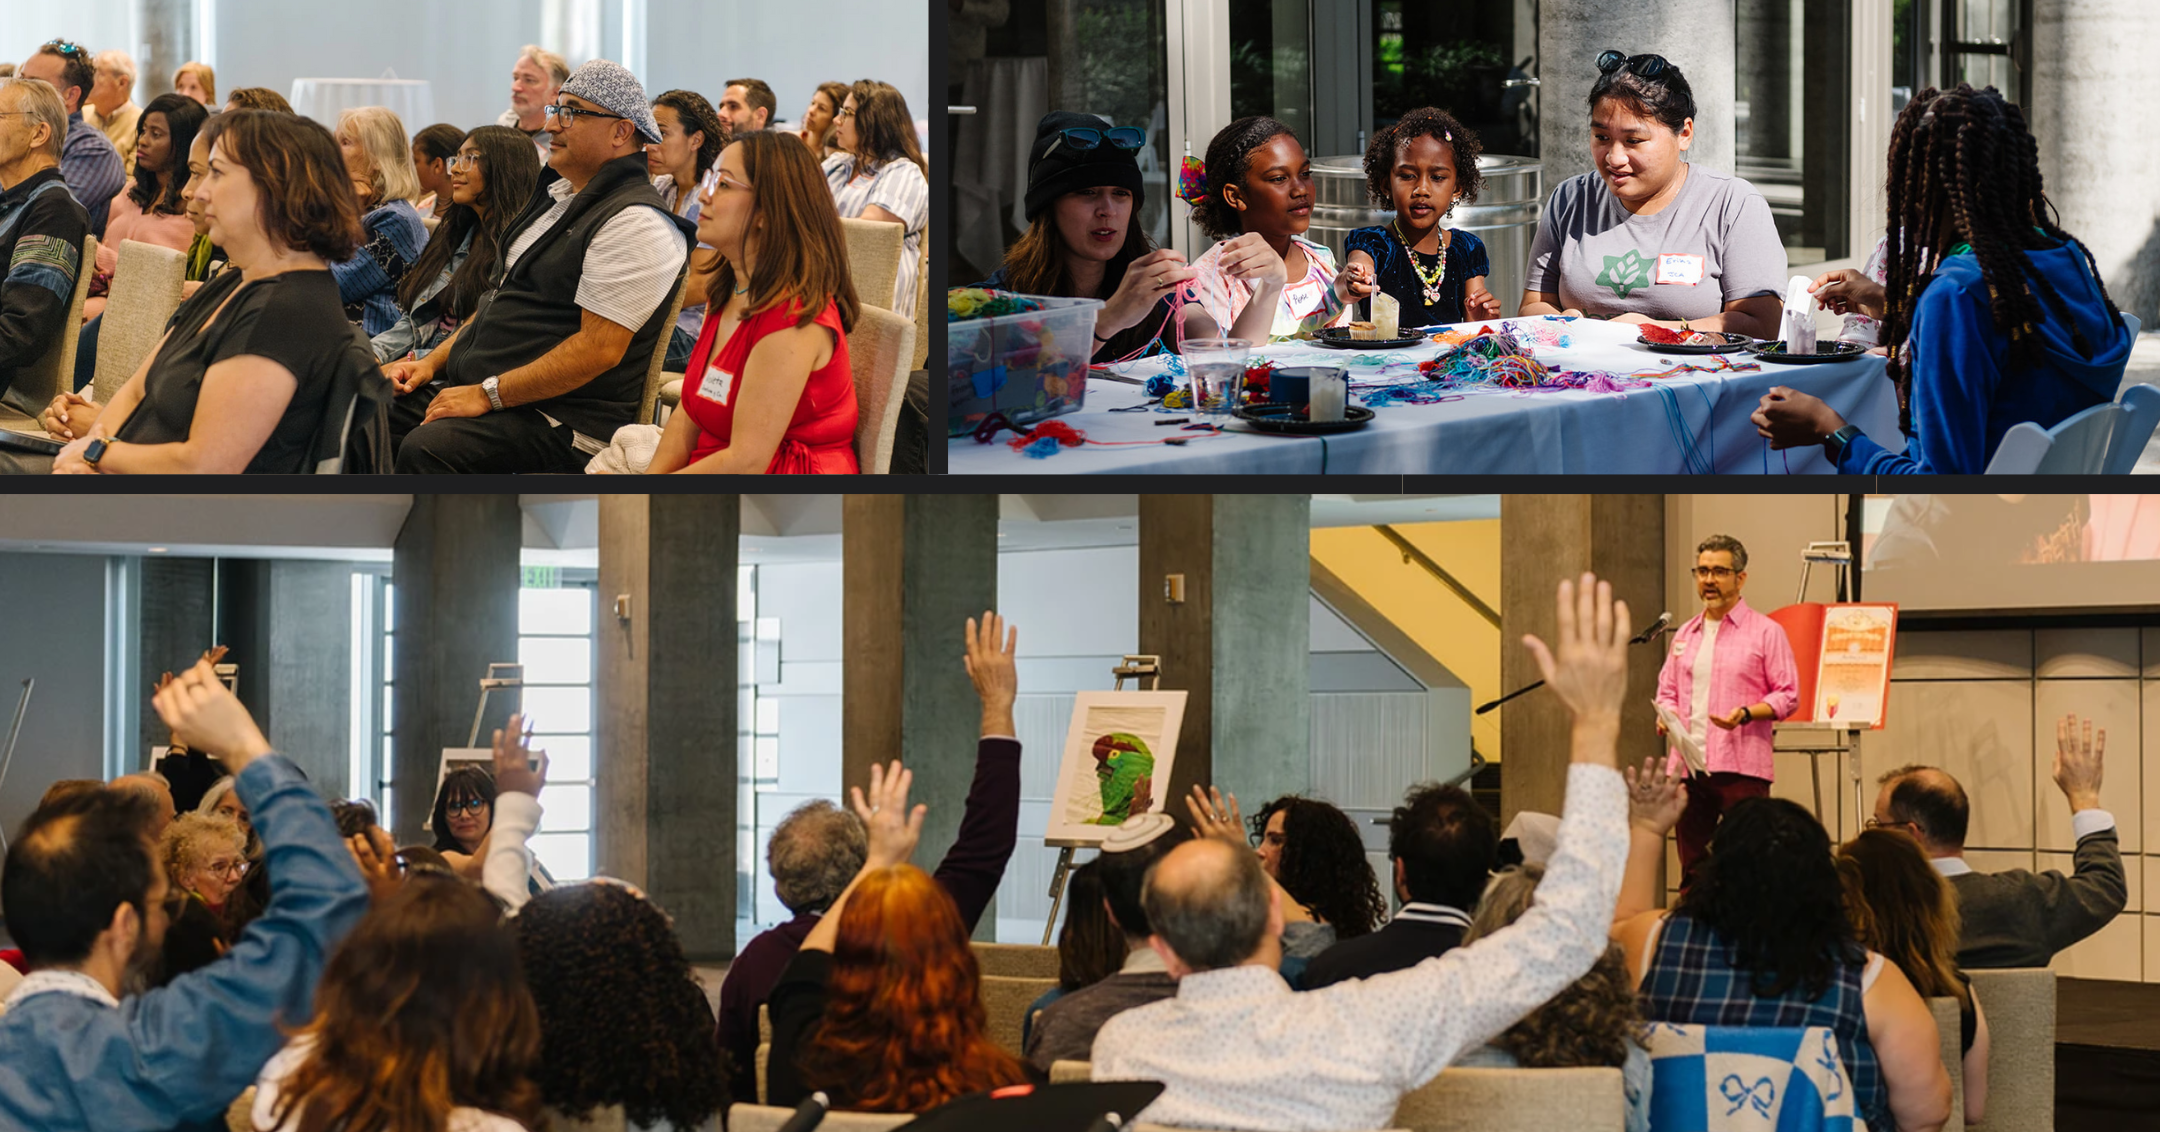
{"type": "Point", "coordinates": [1431, 282]}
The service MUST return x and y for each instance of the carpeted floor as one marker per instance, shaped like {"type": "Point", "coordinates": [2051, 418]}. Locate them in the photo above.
{"type": "Point", "coordinates": [2107, 1056]}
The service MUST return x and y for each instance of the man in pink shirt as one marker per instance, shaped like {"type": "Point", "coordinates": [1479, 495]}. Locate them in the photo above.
{"type": "Point", "coordinates": [1731, 676]}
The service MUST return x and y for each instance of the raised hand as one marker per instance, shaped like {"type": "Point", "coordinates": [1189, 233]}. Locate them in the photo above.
{"type": "Point", "coordinates": [204, 714]}
{"type": "Point", "coordinates": [1587, 668]}
{"type": "Point", "coordinates": [376, 855]}
{"type": "Point", "coordinates": [514, 772]}
{"type": "Point", "coordinates": [2078, 761]}
{"type": "Point", "coordinates": [1215, 814]}
{"type": "Point", "coordinates": [894, 829]}
{"type": "Point", "coordinates": [989, 663]}
{"type": "Point", "coordinates": [1656, 797]}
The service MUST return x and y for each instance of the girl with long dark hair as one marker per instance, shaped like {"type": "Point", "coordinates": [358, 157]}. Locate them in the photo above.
{"type": "Point", "coordinates": [153, 210]}
{"type": "Point", "coordinates": [1264, 279]}
{"type": "Point", "coordinates": [492, 175]}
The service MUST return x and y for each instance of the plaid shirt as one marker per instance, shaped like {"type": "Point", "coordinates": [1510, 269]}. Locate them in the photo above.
{"type": "Point", "coordinates": [1692, 981]}
{"type": "Point", "coordinates": [1754, 665]}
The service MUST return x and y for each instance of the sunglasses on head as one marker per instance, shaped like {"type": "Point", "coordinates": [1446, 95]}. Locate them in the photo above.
{"type": "Point", "coordinates": [1085, 138]}
{"type": "Point", "coordinates": [1648, 66]}
{"type": "Point", "coordinates": [64, 47]}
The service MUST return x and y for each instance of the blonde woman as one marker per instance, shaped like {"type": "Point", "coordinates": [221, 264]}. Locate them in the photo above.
{"type": "Point", "coordinates": [205, 859]}
{"type": "Point", "coordinates": [378, 158]}
{"type": "Point", "coordinates": [197, 81]}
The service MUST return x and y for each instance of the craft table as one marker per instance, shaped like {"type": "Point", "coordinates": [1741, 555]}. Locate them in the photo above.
{"type": "Point", "coordinates": [1688, 421]}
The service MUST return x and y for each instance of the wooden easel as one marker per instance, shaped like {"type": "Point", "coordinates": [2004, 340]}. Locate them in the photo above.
{"type": "Point", "coordinates": [1133, 668]}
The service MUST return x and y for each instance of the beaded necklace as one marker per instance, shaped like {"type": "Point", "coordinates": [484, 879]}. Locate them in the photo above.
{"type": "Point", "coordinates": [1431, 282]}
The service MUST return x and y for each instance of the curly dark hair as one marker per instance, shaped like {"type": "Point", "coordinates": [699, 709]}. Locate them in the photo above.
{"type": "Point", "coordinates": [698, 117]}
{"type": "Point", "coordinates": [1323, 864]}
{"type": "Point", "coordinates": [623, 1020]}
{"type": "Point", "coordinates": [1445, 841]}
{"type": "Point", "coordinates": [1769, 888]}
{"type": "Point", "coordinates": [1229, 158]}
{"type": "Point", "coordinates": [1590, 1023]}
{"type": "Point", "coordinates": [1091, 946]}
{"type": "Point", "coordinates": [1424, 122]}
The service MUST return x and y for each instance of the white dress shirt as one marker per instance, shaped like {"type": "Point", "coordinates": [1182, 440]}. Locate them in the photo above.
{"type": "Point", "coordinates": [1238, 1049]}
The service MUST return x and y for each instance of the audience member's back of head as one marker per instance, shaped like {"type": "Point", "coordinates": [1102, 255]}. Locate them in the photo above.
{"type": "Point", "coordinates": [1090, 946]}
{"type": "Point", "coordinates": [623, 1020]}
{"type": "Point", "coordinates": [71, 866]}
{"type": "Point", "coordinates": [1446, 843]}
{"type": "Point", "coordinates": [68, 788]}
{"type": "Point", "coordinates": [904, 1027]}
{"type": "Point", "coordinates": [1323, 865]}
{"type": "Point", "coordinates": [1208, 900]}
{"type": "Point", "coordinates": [1933, 801]}
{"type": "Point", "coordinates": [422, 1007]}
{"type": "Point", "coordinates": [1124, 873]}
{"type": "Point", "coordinates": [258, 98]}
{"type": "Point", "coordinates": [1901, 907]}
{"type": "Point", "coordinates": [1769, 887]}
{"type": "Point", "coordinates": [354, 816]}
{"type": "Point", "coordinates": [813, 854]}
{"type": "Point", "coordinates": [1589, 1023]}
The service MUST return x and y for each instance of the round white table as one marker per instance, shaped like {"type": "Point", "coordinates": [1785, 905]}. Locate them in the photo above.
{"type": "Point", "coordinates": [324, 99]}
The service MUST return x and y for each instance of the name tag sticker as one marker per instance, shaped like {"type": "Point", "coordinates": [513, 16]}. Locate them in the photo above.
{"type": "Point", "coordinates": [1679, 269]}
{"type": "Point", "coordinates": [718, 386]}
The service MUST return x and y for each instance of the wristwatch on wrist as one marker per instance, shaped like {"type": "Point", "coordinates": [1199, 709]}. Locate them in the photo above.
{"type": "Point", "coordinates": [94, 451]}
{"type": "Point", "coordinates": [492, 387]}
{"type": "Point", "coordinates": [1834, 444]}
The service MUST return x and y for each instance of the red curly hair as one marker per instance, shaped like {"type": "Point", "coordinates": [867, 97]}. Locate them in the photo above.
{"type": "Point", "coordinates": [904, 1027]}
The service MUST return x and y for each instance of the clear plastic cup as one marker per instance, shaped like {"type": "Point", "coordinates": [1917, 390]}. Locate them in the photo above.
{"type": "Point", "coordinates": [1216, 367]}
{"type": "Point", "coordinates": [1329, 392]}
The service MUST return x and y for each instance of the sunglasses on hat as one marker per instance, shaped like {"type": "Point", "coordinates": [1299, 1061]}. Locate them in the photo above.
{"type": "Point", "coordinates": [1082, 137]}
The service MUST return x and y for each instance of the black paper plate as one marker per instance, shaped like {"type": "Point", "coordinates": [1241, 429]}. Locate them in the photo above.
{"type": "Point", "coordinates": [1731, 343]}
{"type": "Point", "coordinates": [1774, 351]}
{"type": "Point", "coordinates": [1283, 419]}
{"type": "Point", "coordinates": [1339, 338]}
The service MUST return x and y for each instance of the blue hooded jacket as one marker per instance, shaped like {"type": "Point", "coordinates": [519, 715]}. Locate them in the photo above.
{"type": "Point", "coordinates": [1967, 391]}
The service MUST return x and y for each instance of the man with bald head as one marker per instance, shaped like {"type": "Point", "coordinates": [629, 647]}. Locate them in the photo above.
{"type": "Point", "coordinates": [1237, 1048]}
{"type": "Point", "coordinates": [2017, 918]}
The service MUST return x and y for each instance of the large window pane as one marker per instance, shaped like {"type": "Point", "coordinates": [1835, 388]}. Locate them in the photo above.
{"type": "Point", "coordinates": [568, 809]}
{"type": "Point", "coordinates": [1792, 120]}
{"type": "Point", "coordinates": [1460, 58]}
{"type": "Point", "coordinates": [566, 611]}
{"type": "Point", "coordinates": [1271, 62]}
{"type": "Point", "coordinates": [559, 710]}
{"type": "Point", "coordinates": [567, 856]}
{"type": "Point", "coordinates": [566, 660]}
{"type": "Point", "coordinates": [569, 756]}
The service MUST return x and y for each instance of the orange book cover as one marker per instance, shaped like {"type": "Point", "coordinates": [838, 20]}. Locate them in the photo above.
{"type": "Point", "coordinates": [1858, 648]}
{"type": "Point", "coordinates": [1803, 627]}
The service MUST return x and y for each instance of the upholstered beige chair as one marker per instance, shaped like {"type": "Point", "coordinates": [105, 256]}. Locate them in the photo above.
{"type": "Point", "coordinates": [873, 252]}
{"type": "Point", "coordinates": [145, 292]}
{"type": "Point", "coordinates": [2020, 1008]}
{"type": "Point", "coordinates": [878, 352]}
{"type": "Point", "coordinates": [1017, 960]}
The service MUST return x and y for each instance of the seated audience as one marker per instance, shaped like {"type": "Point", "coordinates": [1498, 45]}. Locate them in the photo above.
{"type": "Point", "coordinates": [1237, 1048]}
{"type": "Point", "coordinates": [42, 237]}
{"type": "Point", "coordinates": [691, 137]}
{"type": "Point", "coordinates": [197, 81]}
{"type": "Point", "coordinates": [1090, 946]}
{"type": "Point", "coordinates": [1442, 843]}
{"type": "Point", "coordinates": [1595, 1022]}
{"type": "Point", "coordinates": [153, 210]}
{"type": "Point", "coordinates": [110, 105]}
{"type": "Point", "coordinates": [1904, 909]}
{"type": "Point", "coordinates": [880, 174]}
{"type": "Point", "coordinates": [379, 161]}
{"type": "Point", "coordinates": [1065, 1031]}
{"type": "Point", "coordinates": [1083, 239]}
{"type": "Point", "coordinates": [541, 379]}
{"type": "Point", "coordinates": [492, 175]}
{"type": "Point", "coordinates": [535, 79]}
{"type": "Point", "coordinates": [748, 105]}
{"type": "Point", "coordinates": [92, 167]}
{"type": "Point", "coordinates": [85, 898]}
{"type": "Point", "coordinates": [1760, 937]}
{"type": "Point", "coordinates": [257, 98]}
{"type": "Point", "coordinates": [1263, 279]}
{"type": "Point", "coordinates": [817, 123]}
{"type": "Point", "coordinates": [1314, 851]}
{"type": "Point", "coordinates": [882, 1008]}
{"type": "Point", "coordinates": [626, 1032]}
{"type": "Point", "coordinates": [250, 374]}
{"type": "Point", "coordinates": [432, 149]}
{"type": "Point", "coordinates": [2017, 918]}
{"type": "Point", "coordinates": [818, 848]}
{"type": "Point", "coordinates": [2000, 315]}
{"type": "Point", "coordinates": [769, 387]}
{"type": "Point", "coordinates": [423, 1020]}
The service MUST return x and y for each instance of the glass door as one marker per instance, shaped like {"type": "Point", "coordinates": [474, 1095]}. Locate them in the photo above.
{"type": "Point", "coordinates": [1477, 61]}
{"type": "Point", "coordinates": [1271, 63]}
{"type": "Point", "coordinates": [1984, 43]}
{"type": "Point", "coordinates": [1792, 117]}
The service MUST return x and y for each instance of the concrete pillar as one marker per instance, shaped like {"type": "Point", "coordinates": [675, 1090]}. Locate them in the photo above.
{"type": "Point", "coordinates": [667, 679]}
{"type": "Point", "coordinates": [914, 568]}
{"type": "Point", "coordinates": [1240, 642]}
{"type": "Point", "coordinates": [289, 626]}
{"type": "Point", "coordinates": [455, 611]}
{"type": "Point", "coordinates": [167, 33]}
{"type": "Point", "coordinates": [1544, 538]}
{"type": "Point", "coordinates": [2092, 62]}
{"type": "Point", "coordinates": [178, 596]}
{"type": "Point", "coordinates": [1696, 35]}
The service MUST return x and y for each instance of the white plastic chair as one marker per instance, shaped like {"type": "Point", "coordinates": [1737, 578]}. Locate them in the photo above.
{"type": "Point", "coordinates": [2077, 446]}
{"type": "Point", "coordinates": [2134, 429]}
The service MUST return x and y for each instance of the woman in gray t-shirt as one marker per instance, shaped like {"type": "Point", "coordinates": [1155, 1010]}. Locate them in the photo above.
{"type": "Point", "coordinates": [1649, 237]}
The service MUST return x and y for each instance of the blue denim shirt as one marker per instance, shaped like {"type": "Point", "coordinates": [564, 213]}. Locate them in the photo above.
{"type": "Point", "coordinates": [181, 1053]}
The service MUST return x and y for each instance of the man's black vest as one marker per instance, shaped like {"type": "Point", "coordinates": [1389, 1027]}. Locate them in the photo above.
{"type": "Point", "coordinates": [533, 307]}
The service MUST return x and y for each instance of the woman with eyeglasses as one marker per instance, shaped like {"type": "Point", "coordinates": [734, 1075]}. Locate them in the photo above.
{"type": "Point", "coordinates": [1263, 279]}
{"type": "Point", "coordinates": [691, 137]}
{"type": "Point", "coordinates": [1648, 237]}
{"type": "Point", "coordinates": [1084, 240]}
{"type": "Point", "coordinates": [205, 856]}
{"type": "Point", "coordinates": [880, 173]}
{"type": "Point", "coordinates": [493, 173]}
{"type": "Point", "coordinates": [465, 813]}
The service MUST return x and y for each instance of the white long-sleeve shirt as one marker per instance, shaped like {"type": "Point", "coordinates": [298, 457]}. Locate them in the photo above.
{"type": "Point", "coordinates": [508, 871]}
{"type": "Point", "coordinates": [1238, 1049]}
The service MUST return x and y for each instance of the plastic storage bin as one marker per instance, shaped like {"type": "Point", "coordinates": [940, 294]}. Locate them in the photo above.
{"type": "Point", "coordinates": [1029, 366]}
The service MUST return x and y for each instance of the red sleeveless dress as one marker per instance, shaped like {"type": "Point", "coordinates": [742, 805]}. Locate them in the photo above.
{"type": "Point", "coordinates": [820, 437]}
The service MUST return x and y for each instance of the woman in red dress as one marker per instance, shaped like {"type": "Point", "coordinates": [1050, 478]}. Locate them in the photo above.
{"type": "Point", "coordinates": [768, 387]}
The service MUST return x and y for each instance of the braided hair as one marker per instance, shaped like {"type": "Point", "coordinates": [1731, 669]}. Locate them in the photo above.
{"type": "Point", "coordinates": [1962, 161]}
{"type": "Point", "coordinates": [1423, 122]}
{"type": "Point", "coordinates": [1229, 159]}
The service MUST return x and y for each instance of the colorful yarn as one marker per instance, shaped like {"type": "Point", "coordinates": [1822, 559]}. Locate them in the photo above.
{"type": "Point", "coordinates": [1046, 439]}
{"type": "Point", "coordinates": [963, 304]}
{"type": "Point", "coordinates": [1160, 385]}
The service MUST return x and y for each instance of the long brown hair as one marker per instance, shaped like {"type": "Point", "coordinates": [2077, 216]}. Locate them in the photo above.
{"type": "Point", "coordinates": [904, 1026]}
{"type": "Point", "coordinates": [1903, 908]}
{"type": "Point", "coordinates": [305, 198]}
{"type": "Point", "coordinates": [883, 129]}
{"type": "Point", "coordinates": [1035, 265]}
{"type": "Point", "coordinates": [509, 174]}
{"type": "Point", "coordinates": [835, 93]}
{"type": "Point", "coordinates": [1589, 1023]}
{"type": "Point", "coordinates": [801, 254]}
{"type": "Point", "coordinates": [422, 1009]}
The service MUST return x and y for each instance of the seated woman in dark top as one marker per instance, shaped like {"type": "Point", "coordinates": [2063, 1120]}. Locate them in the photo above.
{"type": "Point", "coordinates": [243, 378]}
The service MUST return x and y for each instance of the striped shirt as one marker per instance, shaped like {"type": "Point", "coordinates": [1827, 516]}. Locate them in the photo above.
{"type": "Point", "coordinates": [898, 187]}
{"type": "Point", "coordinates": [92, 169]}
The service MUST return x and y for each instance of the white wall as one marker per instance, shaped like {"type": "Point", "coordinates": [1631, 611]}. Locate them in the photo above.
{"type": "Point", "coordinates": [63, 734]}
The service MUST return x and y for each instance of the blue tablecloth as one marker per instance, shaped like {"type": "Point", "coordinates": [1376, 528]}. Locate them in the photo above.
{"type": "Point", "coordinates": [1687, 421]}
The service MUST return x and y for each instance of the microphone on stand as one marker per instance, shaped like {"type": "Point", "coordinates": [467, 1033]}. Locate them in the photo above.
{"type": "Point", "coordinates": [808, 1115]}
{"type": "Point", "coordinates": [1663, 622]}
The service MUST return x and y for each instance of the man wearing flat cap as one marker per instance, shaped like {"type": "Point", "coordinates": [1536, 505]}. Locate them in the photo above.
{"type": "Point", "coordinates": [554, 361]}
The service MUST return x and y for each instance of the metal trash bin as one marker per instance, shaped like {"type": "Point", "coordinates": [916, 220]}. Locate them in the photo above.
{"type": "Point", "coordinates": [1505, 215]}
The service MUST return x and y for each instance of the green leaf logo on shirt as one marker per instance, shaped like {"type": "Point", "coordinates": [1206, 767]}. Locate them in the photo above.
{"type": "Point", "coordinates": [1625, 273]}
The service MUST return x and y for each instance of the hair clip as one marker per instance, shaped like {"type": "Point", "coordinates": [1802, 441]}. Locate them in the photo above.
{"type": "Point", "coordinates": [1448, 135]}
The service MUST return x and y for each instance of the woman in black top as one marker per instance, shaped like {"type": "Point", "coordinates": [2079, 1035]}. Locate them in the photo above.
{"type": "Point", "coordinates": [242, 378]}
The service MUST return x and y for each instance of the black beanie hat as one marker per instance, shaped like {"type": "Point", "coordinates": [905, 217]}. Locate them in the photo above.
{"type": "Point", "coordinates": [1073, 168]}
